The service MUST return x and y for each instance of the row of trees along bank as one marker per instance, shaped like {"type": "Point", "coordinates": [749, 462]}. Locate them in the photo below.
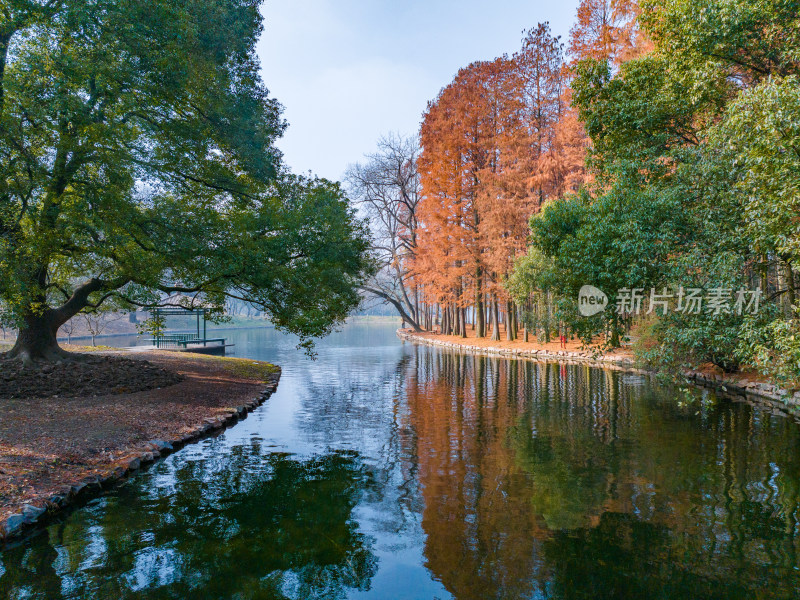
{"type": "Point", "coordinates": [449, 210]}
{"type": "Point", "coordinates": [659, 151]}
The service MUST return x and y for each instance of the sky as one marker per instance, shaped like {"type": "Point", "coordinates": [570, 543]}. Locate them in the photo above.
{"type": "Point", "coordinates": [349, 71]}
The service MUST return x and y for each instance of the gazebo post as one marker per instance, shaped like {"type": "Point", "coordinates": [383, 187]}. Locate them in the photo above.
{"type": "Point", "coordinates": [157, 336]}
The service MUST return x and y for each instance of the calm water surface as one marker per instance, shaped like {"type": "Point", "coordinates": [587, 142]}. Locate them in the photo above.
{"type": "Point", "coordinates": [385, 470]}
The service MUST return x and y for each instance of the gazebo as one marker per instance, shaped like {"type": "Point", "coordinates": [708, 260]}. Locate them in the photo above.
{"type": "Point", "coordinates": [190, 341]}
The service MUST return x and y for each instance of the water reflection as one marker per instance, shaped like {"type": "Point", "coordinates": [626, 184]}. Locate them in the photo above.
{"type": "Point", "coordinates": [251, 526]}
{"type": "Point", "coordinates": [570, 482]}
{"type": "Point", "coordinates": [391, 471]}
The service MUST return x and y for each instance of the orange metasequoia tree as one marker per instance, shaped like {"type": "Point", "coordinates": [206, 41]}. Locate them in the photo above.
{"type": "Point", "coordinates": [493, 150]}
{"type": "Point", "coordinates": [496, 144]}
{"type": "Point", "coordinates": [460, 152]}
{"type": "Point", "coordinates": [608, 30]}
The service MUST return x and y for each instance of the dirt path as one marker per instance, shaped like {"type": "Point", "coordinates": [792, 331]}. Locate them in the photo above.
{"type": "Point", "coordinates": [573, 347]}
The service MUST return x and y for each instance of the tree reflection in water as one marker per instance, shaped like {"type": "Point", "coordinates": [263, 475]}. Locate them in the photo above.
{"type": "Point", "coordinates": [467, 477]}
{"type": "Point", "coordinates": [244, 525]}
{"type": "Point", "coordinates": [545, 481]}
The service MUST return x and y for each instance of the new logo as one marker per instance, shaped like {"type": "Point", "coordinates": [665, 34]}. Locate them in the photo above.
{"type": "Point", "coordinates": [591, 301]}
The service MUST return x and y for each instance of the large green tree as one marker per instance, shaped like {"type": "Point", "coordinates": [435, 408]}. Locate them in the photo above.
{"type": "Point", "coordinates": [694, 155]}
{"type": "Point", "coordinates": [137, 161]}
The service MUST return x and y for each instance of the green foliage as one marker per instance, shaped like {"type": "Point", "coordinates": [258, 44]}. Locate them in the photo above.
{"type": "Point", "coordinates": [757, 148]}
{"type": "Point", "coordinates": [154, 326]}
{"type": "Point", "coordinates": [750, 40]}
{"type": "Point", "coordinates": [773, 348]}
{"type": "Point", "coordinates": [137, 159]}
{"type": "Point", "coordinates": [688, 341]}
{"type": "Point", "coordinates": [646, 117]}
{"type": "Point", "coordinates": [530, 273]}
{"type": "Point", "coordinates": [621, 239]}
{"type": "Point", "coordinates": [696, 157]}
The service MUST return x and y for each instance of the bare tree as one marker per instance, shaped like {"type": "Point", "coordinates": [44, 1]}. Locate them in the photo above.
{"type": "Point", "coordinates": [69, 329]}
{"type": "Point", "coordinates": [6, 324]}
{"type": "Point", "coordinates": [387, 190]}
{"type": "Point", "coordinates": [98, 321]}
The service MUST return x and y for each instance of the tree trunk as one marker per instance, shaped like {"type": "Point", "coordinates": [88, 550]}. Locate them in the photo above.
{"type": "Point", "coordinates": [416, 305]}
{"type": "Point", "coordinates": [547, 324]}
{"type": "Point", "coordinates": [615, 341]}
{"type": "Point", "coordinates": [791, 296]}
{"type": "Point", "coordinates": [495, 321]}
{"type": "Point", "coordinates": [764, 275]}
{"type": "Point", "coordinates": [480, 320]}
{"type": "Point", "coordinates": [407, 318]}
{"type": "Point", "coordinates": [511, 322]}
{"type": "Point", "coordinates": [526, 319]}
{"type": "Point", "coordinates": [37, 334]}
{"type": "Point", "coordinates": [37, 340]}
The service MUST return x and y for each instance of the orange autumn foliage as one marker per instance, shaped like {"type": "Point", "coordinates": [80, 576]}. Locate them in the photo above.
{"type": "Point", "coordinates": [607, 30]}
{"type": "Point", "coordinates": [467, 141]}
{"type": "Point", "coordinates": [497, 143]}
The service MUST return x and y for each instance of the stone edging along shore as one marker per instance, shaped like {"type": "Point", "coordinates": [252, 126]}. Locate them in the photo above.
{"type": "Point", "coordinates": [72, 496]}
{"type": "Point", "coordinates": [758, 390]}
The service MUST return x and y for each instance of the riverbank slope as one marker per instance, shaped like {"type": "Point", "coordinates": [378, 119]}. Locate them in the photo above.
{"type": "Point", "coordinates": [57, 450]}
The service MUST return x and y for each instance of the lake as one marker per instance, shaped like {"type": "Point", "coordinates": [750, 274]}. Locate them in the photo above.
{"type": "Point", "coordinates": [385, 470]}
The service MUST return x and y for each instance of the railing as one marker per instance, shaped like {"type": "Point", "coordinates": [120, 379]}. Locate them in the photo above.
{"type": "Point", "coordinates": [183, 340]}
{"type": "Point", "coordinates": [176, 340]}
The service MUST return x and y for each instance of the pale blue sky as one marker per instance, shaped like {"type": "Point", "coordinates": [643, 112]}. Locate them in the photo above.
{"type": "Point", "coordinates": [348, 71]}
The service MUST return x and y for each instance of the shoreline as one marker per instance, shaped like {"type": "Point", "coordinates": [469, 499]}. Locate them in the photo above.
{"type": "Point", "coordinates": [241, 327]}
{"type": "Point", "coordinates": [541, 353]}
{"type": "Point", "coordinates": [759, 392]}
{"type": "Point", "coordinates": [234, 391]}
